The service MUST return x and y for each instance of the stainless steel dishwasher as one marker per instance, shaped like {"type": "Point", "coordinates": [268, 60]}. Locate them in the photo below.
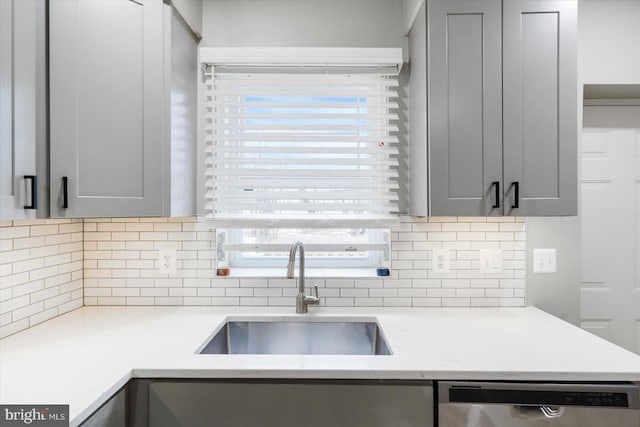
{"type": "Point", "coordinates": [510, 404]}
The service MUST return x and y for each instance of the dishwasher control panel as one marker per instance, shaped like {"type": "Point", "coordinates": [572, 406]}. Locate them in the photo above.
{"type": "Point", "coordinates": [466, 394]}
{"type": "Point", "coordinates": [616, 395]}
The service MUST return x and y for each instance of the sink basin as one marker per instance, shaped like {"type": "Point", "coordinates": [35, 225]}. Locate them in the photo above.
{"type": "Point", "coordinates": [298, 336]}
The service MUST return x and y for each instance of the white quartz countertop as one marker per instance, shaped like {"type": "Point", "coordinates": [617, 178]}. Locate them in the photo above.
{"type": "Point", "coordinates": [83, 357]}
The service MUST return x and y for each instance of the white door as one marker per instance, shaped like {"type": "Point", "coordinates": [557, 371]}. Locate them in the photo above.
{"type": "Point", "coordinates": [610, 276]}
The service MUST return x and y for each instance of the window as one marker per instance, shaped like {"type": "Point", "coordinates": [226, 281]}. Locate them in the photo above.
{"type": "Point", "coordinates": [302, 154]}
{"type": "Point", "coordinates": [325, 248]}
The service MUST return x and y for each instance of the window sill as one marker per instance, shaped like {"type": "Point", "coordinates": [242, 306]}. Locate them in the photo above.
{"type": "Point", "coordinates": [316, 273]}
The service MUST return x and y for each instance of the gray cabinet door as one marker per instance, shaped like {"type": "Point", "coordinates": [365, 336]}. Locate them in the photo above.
{"type": "Point", "coordinates": [465, 106]}
{"type": "Point", "coordinates": [18, 105]}
{"type": "Point", "coordinates": [540, 107]}
{"type": "Point", "coordinates": [106, 107]}
{"type": "Point", "coordinates": [290, 403]}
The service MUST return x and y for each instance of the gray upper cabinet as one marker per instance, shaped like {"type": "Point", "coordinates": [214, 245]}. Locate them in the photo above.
{"type": "Point", "coordinates": [418, 161]}
{"type": "Point", "coordinates": [540, 107]}
{"type": "Point", "coordinates": [502, 107]}
{"type": "Point", "coordinates": [22, 110]}
{"type": "Point", "coordinates": [465, 106]}
{"type": "Point", "coordinates": [111, 94]}
{"type": "Point", "coordinates": [106, 108]}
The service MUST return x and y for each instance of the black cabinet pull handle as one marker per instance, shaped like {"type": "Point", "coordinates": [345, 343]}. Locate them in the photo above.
{"type": "Point", "coordinates": [496, 185]}
{"type": "Point", "coordinates": [65, 194]}
{"type": "Point", "coordinates": [516, 193]}
{"type": "Point", "coordinates": [34, 192]}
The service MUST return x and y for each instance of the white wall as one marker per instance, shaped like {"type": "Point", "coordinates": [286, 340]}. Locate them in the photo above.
{"type": "Point", "coordinates": [411, 8]}
{"type": "Point", "coordinates": [191, 12]}
{"type": "Point", "coordinates": [306, 23]}
{"type": "Point", "coordinates": [559, 293]}
{"type": "Point", "coordinates": [608, 46]}
{"type": "Point", "coordinates": [609, 41]}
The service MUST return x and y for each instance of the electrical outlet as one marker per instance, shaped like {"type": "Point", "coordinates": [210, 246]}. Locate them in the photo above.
{"type": "Point", "coordinates": [167, 261]}
{"type": "Point", "coordinates": [441, 261]}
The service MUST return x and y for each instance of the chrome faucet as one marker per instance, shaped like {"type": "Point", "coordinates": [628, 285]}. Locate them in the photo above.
{"type": "Point", "coordinates": [302, 300]}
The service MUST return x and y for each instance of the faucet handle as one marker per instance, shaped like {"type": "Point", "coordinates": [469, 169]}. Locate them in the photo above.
{"type": "Point", "coordinates": [314, 299]}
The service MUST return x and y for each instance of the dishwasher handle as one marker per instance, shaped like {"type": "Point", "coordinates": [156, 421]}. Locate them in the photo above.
{"type": "Point", "coordinates": [535, 411]}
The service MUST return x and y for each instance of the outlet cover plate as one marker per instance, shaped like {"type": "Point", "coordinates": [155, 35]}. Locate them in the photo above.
{"type": "Point", "coordinates": [441, 261]}
{"type": "Point", "coordinates": [491, 260]}
{"type": "Point", "coordinates": [544, 261]}
{"type": "Point", "coordinates": [167, 261]}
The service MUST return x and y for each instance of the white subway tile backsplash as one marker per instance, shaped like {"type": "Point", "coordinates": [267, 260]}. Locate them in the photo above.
{"type": "Point", "coordinates": [48, 267]}
{"type": "Point", "coordinates": [426, 226]}
{"type": "Point", "coordinates": [169, 226]}
{"type": "Point", "coordinates": [368, 302]}
{"type": "Point", "coordinates": [352, 293]}
{"type": "Point", "coordinates": [28, 242]}
{"type": "Point", "coordinates": [370, 283]}
{"type": "Point", "coordinates": [484, 226]}
{"type": "Point", "coordinates": [339, 283]}
{"type": "Point", "coordinates": [440, 293]}
{"type": "Point", "coordinates": [126, 292]}
{"type": "Point", "coordinates": [397, 302]}
{"type": "Point", "coordinates": [442, 219]}
{"type": "Point", "coordinates": [113, 301]}
{"type": "Point", "coordinates": [28, 288]}
{"type": "Point", "coordinates": [6, 294]}
{"type": "Point", "coordinates": [197, 301]}
{"type": "Point", "coordinates": [470, 293]}
{"type": "Point", "coordinates": [41, 271]}
{"type": "Point", "coordinates": [228, 301]}
{"type": "Point", "coordinates": [456, 302]}
{"type": "Point", "coordinates": [442, 236]}
{"type": "Point", "coordinates": [9, 232]}
{"type": "Point", "coordinates": [384, 293]}
{"type": "Point", "coordinates": [427, 302]}
{"type": "Point", "coordinates": [511, 302]}
{"type": "Point", "coordinates": [329, 302]}
{"type": "Point", "coordinates": [456, 226]}
{"type": "Point", "coordinates": [413, 274]}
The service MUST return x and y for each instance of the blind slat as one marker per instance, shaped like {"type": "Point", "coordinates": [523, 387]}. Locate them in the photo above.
{"type": "Point", "coordinates": [293, 115]}
{"type": "Point", "coordinates": [293, 80]}
{"type": "Point", "coordinates": [292, 105]}
{"type": "Point", "coordinates": [334, 92]}
{"type": "Point", "coordinates": [303, 138]}
{"type": "Point", "coordinates": [302, 173]}
{"type": "Point", "coordinates": [316, 205]}
{"type": "Point", "coordinates": [317, 128]}
{"type": "Point", "coordinates": [228, 149]}
{"type": "Point", "coordinates": [335, 184]}
{"type": "Point", "coordinates": [296, 195]}
{"type": "Point", "coordinates": [227, 161]}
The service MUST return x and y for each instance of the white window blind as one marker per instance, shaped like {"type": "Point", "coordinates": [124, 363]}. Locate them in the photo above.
{"type": "Point", "coordinates": [304, 149]}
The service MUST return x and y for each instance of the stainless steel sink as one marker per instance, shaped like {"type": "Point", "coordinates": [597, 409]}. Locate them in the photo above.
{"type": "Point", "coordinates": [298, 336]}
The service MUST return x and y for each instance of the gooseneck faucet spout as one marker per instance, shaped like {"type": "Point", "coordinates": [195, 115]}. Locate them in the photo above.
{"type": "Point", "coordinates": [302, 300]}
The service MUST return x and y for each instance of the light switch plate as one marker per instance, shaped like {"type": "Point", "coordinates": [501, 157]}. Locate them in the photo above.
{"type": "Point", "coordinates": [491, 260]}
{"type": "Point", "coordinates": [167, 261]}
{"type": "Point", "coordinates": [441, 261]}
{"type": "Point", "coordinates": [544, 261]}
